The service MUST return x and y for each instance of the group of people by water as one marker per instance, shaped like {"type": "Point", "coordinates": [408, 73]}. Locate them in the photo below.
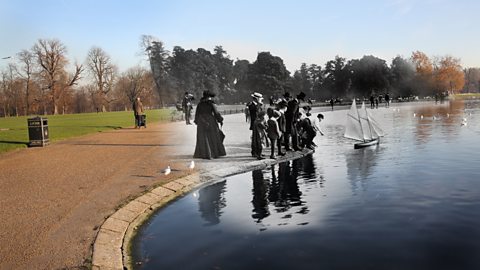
{"type": "Point", "coordinates": [283, 126]}
{"type": "Point", "coordinates": [374, 100]}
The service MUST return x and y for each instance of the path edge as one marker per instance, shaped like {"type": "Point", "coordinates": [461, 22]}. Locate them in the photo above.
{"type": "Point", "coordinates": [112, 245]}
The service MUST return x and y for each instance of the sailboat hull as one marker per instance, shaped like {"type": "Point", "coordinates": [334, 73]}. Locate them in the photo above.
{"type": "Point", "coordinates": [366, 144]}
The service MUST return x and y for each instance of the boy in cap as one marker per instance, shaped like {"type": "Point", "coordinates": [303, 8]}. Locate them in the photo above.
{"type": "Point", "coordinates": [273, 130]}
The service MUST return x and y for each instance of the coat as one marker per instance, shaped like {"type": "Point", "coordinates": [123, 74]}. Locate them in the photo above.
{"type": "Point", "coordinates": [209, 137]}
{"type": "Point", "coordinates": [253, 108]}
{"type": "Point", "coordinates": [273, 132]}
{"type": "Point", "coordinates": [291, 115]}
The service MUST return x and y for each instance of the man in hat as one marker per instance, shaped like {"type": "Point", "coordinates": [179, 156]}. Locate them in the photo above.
{"type": "Point", "coordinates": [254, 107]}
{"type": "Point", "coordinates": [187, 107]}
{"type": "Point", "coordinates": [292, 116]}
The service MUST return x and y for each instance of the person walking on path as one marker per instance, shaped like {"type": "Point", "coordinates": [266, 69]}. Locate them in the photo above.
{"type": "Point", "coordinates": [332, 102]}
{"type": "Point", "coordinates": [273, 131]}
{"type": "Point", "coordinates": [258, 132]}
{"type": "Point", "coordinates": [138, 112]}
{"type": "Point", "coordinates": [209, 136]}
{"type": "Point", "coordinates": [254, 107]}
{"type": "Point", "coordinates": [187, 107]}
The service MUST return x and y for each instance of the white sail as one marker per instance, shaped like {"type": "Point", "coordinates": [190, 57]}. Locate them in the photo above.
{"type": "Point", "coordinates": [360, 124]}
{"type": "Point", "coordinates": [375, 126]}
{"type": "Point", "coordinates": [365, 123]}
{"type": "Point", "coordinates": [353, 128]}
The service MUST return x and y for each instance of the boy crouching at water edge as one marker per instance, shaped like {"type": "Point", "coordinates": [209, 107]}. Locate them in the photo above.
{"type": "Point", "coordinates": [273, 130]}
{"type": "Point", "coordinates": [258, 132]}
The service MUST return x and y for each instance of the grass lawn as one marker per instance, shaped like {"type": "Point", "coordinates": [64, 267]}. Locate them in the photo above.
{"type": "Point", "coordinates": [14, 130]}
{"type": "Point", "coordinates": [467, 96]}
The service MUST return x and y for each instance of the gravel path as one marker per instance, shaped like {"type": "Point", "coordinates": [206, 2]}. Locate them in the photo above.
{"type": "Point", "coordinates": [53, 199]}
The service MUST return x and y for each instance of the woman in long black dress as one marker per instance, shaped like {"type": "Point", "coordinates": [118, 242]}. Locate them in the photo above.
{"type": "Point", "coordinates": [209, 137]}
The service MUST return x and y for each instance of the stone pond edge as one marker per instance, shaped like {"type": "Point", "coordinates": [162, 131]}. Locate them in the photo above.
{"type": "Point", "coordinates": [111, 248]}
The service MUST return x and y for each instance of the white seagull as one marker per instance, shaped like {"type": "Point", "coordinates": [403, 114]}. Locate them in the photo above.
{"type": "Point", "coordinates": [167, 171]}
{"type": "Point", "coordinates": [192, 165]}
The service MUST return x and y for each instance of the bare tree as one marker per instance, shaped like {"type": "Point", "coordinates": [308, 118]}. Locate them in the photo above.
{"type": "Point", "coordinates": [26, 72]}
{"type": "Point", "coordinates": [133, 83]}
{"type": "Point", "coordinates": [66, 84]}
{"type": "Point", "coordinates": [103, 72]}
{"type": "Point", "coordinates": [51, 56]}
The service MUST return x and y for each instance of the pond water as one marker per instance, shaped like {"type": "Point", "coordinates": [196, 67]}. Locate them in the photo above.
{"type": "Point", "coordinates": [413, 202]}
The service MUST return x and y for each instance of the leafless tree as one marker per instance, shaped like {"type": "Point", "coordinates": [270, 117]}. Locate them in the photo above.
{"type": "Point", "coordinates": [26, 72]}
{"type": "Point", "coordinates": [133, 83]}
{"type": "Point", "coordinates": [103, 72]}
{"type": "Point", "coordinates": [51, 56]}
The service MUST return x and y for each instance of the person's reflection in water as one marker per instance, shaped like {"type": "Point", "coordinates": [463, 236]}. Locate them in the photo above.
{"type": "Point", "coordinates": [260, 201]}
{"type": "Point", "coordinates": [211, 202]}
{"type": "Point", "coordinates": [282, 191]}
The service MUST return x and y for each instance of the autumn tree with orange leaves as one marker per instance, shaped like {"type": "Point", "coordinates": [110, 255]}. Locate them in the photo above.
{"type": "Point", "coordinates": [449, 75]}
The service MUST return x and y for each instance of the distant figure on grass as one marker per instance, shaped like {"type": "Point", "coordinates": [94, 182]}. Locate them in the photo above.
{"type": "Point", "coordinates": [138, 113]}
{"type": "Point", "coordinates": [209, 136]}
{"type": "Point", "coordinates": [387, 100]}
{"type": "Point", "coordinates": [332, 102]}
{"type": "Point", "coordinates": [187, 107]}
{"type": "Point", "coordinates": [258, 132]}
{"type": "Point", "coordinates": [273, 130]}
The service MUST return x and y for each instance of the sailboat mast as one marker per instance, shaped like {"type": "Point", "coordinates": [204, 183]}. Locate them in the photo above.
{"type": "Point", "coordinates": [360, 123]}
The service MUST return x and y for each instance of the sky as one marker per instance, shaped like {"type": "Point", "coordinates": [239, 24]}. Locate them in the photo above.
{"type": "Point", "coordinates": [300, 31]}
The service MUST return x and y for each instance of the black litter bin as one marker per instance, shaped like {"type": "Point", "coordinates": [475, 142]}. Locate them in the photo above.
{"type": "Point", "coordinates": [38, 131]}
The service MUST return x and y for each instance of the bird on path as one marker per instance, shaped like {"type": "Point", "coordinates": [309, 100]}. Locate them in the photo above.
{"type": "Point", "coordinates": [167, 171]}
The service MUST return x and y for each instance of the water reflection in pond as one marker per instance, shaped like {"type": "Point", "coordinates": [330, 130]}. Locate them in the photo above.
{"type": "Point", "coordinates": [410, 203]}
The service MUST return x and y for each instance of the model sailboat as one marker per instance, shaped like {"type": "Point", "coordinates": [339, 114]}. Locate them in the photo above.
{"type": "Point", "coordinates": [362, 127]}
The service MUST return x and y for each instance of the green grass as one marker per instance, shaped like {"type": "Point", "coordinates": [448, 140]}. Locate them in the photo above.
{"type": "Point", "coordinates": [467, 96]}
{"type": "Point", "coordinates": [14, 130]}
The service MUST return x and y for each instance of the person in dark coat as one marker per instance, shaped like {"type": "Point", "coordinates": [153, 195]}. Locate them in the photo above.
{"type": "Point", "coordinates": [138, 112]}
{"type": "Point", "coordinates": [292, 115]}
{"type": "Point", "coordinates": [258, 133]}
{"type": "Point", "coordinates": [282, 125]}
{"type": "Point", "coordinates": [187, 107]}
{"type": "Point", "coordinates": [254, 107]}
{"type": "Point", "coordinates": [308, 132]}
{"type": "Point", "coordinates": [209, 136]}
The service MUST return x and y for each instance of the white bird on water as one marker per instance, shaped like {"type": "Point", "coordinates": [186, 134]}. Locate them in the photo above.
{"type": "Point", "coordinates": [421, 116]}
{"type": "Point", "coordinates": [192, 165]}
{"type": "Point", "coordinates": [167, 171]}
{"type": "Point", "coordinates": [414, 114]}
{"type": "Point", "coordinates": [464, 122]}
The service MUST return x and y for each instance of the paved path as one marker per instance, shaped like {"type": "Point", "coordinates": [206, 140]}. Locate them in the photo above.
{"type": "Point", "coordinates": [55, 199]}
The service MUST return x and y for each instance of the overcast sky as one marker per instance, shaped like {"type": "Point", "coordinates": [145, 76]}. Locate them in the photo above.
{"type": "Point", "coordinates": [298, 31]}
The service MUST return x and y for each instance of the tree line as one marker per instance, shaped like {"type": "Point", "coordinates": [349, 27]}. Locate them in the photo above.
{"type": "Point", "coordinates": [41, 80]}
